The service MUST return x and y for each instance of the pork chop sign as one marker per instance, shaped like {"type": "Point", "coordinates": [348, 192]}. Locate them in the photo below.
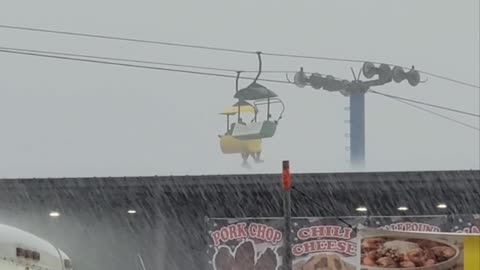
{"type": "Point", "coordinates": [245, 244]}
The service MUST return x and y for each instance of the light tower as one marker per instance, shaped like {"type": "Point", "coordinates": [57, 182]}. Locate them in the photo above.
{"type": "Point", "coordinates": [355, 90]}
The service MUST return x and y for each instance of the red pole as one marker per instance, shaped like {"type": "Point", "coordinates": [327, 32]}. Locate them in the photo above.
{"type": "Point", "coordinates": [286, 178]}
{"type": "Point", "coordinates": [287, 212]}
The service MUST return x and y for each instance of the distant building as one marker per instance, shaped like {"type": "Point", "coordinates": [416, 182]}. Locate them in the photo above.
{"type": "Point", "coordinates": [168, 227]}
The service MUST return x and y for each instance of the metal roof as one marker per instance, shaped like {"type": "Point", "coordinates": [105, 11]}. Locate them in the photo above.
{"type": "Point", "coordinates": [214, 192]}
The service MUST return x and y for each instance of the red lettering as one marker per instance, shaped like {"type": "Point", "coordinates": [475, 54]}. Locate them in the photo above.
{"type": "Point", "coordinates": [412, 227]}
{"type": "Point", "coordinates": [232, 231]}
{"type": "Point", "coordinates": [318, 231]}
{"type": "Point", "coordinates": [241, 230]}
{"type": "Point", "coordinates": [216, 238]}
{"type": "Point", "coordinates": [309, 247]}
{"type": "Point", "coordinates": [252, 230]}
{"type": "Point", "coordinates": [277, 237]}
{"type": "Point", "coordinates": [347, 233]}
{"type": "Point", "coordinates": [264, 233]}
{"type": "Point", "coordinates": [304, 233]}
{"type": "Point", "coordinates": [224, 234]}
{"type": "Point", "coordinates": [297, 250]}
{"type": "Point", "coordinates": [321, 245]}
{"type": "Point", "coordinates": [261, 231]}
{"type": "Point", "coordinates": [351, 249]}
{"type": "Point", "coordinates": [335, 231]}
{"type": "Point", "coordinates": [324, 232]}
{"type": "Point", "coordinates": [342, 246]}
{"type": "Point", "coordinates": [331, 245]}
{"type": "Point", "coordinates": [269, 234]}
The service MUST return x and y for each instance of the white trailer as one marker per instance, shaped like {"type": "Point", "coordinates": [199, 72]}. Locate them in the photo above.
{"type": "Point", "coordinates": [21, 250]}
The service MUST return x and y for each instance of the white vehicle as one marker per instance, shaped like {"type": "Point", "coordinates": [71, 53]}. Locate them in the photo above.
{"type": "Point", "coordinates": [21, 250]}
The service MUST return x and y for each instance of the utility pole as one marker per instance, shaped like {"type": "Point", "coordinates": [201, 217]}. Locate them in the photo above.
{"type": "Point", "coordinates": [355, 90]}
{"type": "Point", "coordinates": [357, 130]}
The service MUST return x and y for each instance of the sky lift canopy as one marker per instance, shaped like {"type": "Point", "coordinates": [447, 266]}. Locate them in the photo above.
{"type": "Point", "coordinates": [255, 91]}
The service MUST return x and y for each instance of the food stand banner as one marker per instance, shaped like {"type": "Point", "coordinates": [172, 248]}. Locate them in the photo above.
{"type": "Point", "coordinates": [245, 244]}
{"type": "Point", "coordinates": [328, 242]}
{"type": "Point", "coordinates": [408, 223]}
{"type": "Point", "coordinates": [324, 243]}
{"type": "Point", "coordinates": [382, 249]}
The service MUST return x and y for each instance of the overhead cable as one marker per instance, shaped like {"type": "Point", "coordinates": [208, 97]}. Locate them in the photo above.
{"type": "Point", "coordinates": [135, 66]}
{"type": "Point", "coordinates": [33, 53]}
{"type": "Point", "coordinates": [213, 48]}
{"type": "Point", "coordinates": [140, 61]}
{"type": "Point", "coordinates": [424, 103]}
{"type": "Point", "coordinates": [435, 113]}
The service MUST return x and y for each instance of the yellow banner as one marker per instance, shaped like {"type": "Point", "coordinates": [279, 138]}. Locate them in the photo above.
{"type": "Point", "coordinates": [471, 252]}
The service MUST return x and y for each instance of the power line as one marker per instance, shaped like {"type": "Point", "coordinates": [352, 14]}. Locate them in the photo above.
{"type": "Point", "coordinates": [435, 113]}
{"type": "Point", "coordinates": [34, 53]}
{"type": "Point", "coordinates": [216, 49]}
{"type": "Point", "coordinates": [141, 61]}
{"type": "Point", "coordinates": [125, 39]}
{"type": "Point", "coordinates": [450, 79]}
{"type": "Point", "coordinates": [424, 103]}
{"type": "Point", "coordinates": [136, 66]}
{"type": "Point", "coordinates": [316, 57]}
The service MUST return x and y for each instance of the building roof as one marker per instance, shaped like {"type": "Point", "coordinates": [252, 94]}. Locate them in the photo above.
{"type": "Point", "coordinates": [212, 192]}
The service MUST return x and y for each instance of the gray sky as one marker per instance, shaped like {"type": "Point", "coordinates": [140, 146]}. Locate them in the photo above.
{"type": "Point", "coordinates": [63, 118]}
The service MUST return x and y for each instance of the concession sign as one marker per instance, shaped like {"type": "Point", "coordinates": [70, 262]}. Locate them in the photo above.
{"type": "Point", "coordinates": [245, 244]}
{"type": "Point", "coordinates": [321, 243]}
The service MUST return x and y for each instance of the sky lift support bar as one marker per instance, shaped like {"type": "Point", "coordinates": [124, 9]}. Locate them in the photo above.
{"type": "Point", "coordinates": [271, 101]}
{"type": "Point", "coordinates": [268, 109]}
{"type": "Point", "coordinates": [236, 91]}
{"type": "Point", "coordinates": [259, 55]}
